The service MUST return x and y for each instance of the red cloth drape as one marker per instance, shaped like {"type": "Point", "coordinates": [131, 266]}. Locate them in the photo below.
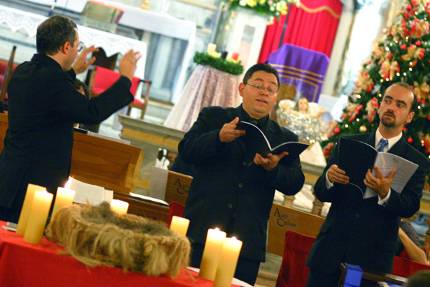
{"type": "Point", "coordinates": [272, 38]}
{"type": "Point", "coordinates": [312, 25]}
{"type": "Point", "coordinates": [294, 272]}
{"type": "Point", "coordinates": [23, 264]}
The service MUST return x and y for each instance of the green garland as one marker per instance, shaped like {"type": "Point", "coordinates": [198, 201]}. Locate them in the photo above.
{"type": "Point", "coordinates": [218, 63]}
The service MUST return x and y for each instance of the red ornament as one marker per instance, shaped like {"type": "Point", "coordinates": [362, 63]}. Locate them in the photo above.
{"type": "Point", "coordinates": [336, 130]}
{"type": "Point", "coordinates": [403, 47]}
{"type": "Point", "coordinates": [418, 43]}
{"type": "Point", "coordinates": [235, 56]}
{"type": "Point", "coordinates": [410, 140]}
{"type": "Point", "coordinates": [408, 7]}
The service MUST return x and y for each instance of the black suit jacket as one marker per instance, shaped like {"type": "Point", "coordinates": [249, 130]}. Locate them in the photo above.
{"type": "Point", "coordinates": [228, 190]}
{"type": "Point", "coordinates": [43, 105]}
{"type": "Point", "coordinates": [359, 231]}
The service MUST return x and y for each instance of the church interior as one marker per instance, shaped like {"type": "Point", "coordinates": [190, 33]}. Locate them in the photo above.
{"type": "Point", "coordinates": [121, 218]}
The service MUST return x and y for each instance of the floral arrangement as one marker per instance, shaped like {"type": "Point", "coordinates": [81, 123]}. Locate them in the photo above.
{"type": "Point", "coordinates": [228, 63]}
{"type": "Point", "coordinates": [266, 7]}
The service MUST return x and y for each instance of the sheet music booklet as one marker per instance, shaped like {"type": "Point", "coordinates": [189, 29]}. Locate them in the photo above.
{"type": "Point", "coordinates": [356, 157]}
{"type": "Point", "coordinates": [261, 144]}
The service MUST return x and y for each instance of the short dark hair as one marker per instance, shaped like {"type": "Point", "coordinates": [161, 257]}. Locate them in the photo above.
{"type": "Point", "coordinates": [260, 67]}
{"type": "Point", "coordinates": [419, 279]}
{"type": "Point", "coordinates": [410, 89]}
{"type": "Point", "coordinates": [53, 33]}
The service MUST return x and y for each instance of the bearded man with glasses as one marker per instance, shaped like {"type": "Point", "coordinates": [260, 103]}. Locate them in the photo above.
{"type": "Point", "coordinates": [233, 187]}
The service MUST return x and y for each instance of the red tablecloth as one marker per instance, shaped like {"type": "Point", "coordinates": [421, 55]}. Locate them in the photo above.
{"type": "Point", "coordinates": [25, 265]}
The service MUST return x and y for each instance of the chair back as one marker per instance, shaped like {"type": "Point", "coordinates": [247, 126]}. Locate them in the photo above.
{"type": "Point", "coordinates": [283, 219]}
{"type": "Point", "coordinates": [294, 272]}
{"type": "Point", "coordinates": [102, 60]}
{"type": "Point", "coordinates": [404, 267]}
{"type": "Point", "coordinates": [177, 188]}
{"type": "Point", "coordinates": [103, 79]}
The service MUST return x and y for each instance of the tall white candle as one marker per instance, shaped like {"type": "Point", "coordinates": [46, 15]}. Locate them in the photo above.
{"type": "Point", "coordinates": [25, 210]}
{"type": "Point", "coordinates": [179, 225]}
{"type": "Point", "coordinates": [228, 261]}
{"type": "Point", "coordinates": [211, 253]}
{"type": "Point", "coordinates": [38, 216]}
{"type": "Point", "coordinates": [211, 48]}
{"type": "Point", "coordinates": [63, 198]}
{"type": "Point", "coordinates": [119, 206]}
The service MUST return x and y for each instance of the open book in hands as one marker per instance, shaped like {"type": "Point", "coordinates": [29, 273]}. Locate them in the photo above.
{"type": "Point", "coordinates": [356, 157]}
{"type": "Point", "coordinates": [259, 142]}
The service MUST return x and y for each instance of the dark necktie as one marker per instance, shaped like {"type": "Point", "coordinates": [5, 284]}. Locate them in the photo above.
{"type": "Point", "coordinates": [382, 144]}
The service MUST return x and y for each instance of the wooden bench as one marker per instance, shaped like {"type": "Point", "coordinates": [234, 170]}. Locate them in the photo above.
{"type": "Point", "coordinates": [284, 218]}
{"type": "Point", "coordinates": [108, 163]}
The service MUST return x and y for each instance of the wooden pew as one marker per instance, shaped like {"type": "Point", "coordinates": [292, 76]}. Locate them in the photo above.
{"type": "Point", "coordinates": [108, 163]}
{"type": "Point", "coordinates": [284, 218]}
{"type": "Point", "coordinates": [177, 187]}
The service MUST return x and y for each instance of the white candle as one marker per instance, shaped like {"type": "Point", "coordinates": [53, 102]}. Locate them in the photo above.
{"type": "Point", "coordinates": [211, 253]}
{"type": "Point", "coordinates": [64, 198]}
{"type": "Point", "coordinates": [211, 48]}
{"type": "Point", "coordinates": [38, 216]}
{"type": "Point", "coordinates": [25, 210]}
{"type": "Point", "coordinates": [179, 225]}
{"type": "Point", "coordinates": [119, 206]}
{"type": "Point", "coordinates": [227, 263]}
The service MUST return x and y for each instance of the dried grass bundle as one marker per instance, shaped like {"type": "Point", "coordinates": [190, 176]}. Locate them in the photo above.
{"type": "Point", "coordinates": [96, 236]}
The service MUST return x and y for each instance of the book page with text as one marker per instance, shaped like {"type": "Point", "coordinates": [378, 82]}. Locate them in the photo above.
{"type": "Point", "coordinates": [404, 171]}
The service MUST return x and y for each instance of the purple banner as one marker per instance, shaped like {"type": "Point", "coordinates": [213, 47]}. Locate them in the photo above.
{"type": "Point", "coordinates": [302, 68]}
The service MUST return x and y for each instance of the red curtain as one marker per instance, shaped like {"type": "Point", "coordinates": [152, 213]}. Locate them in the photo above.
{"type": "Point", "coordinates": [272, 38]}
{"type": "Point", "coordinates": [311, 25]}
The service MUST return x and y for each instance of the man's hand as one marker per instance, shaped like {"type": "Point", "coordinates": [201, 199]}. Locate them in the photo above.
{"type": "Point", "coordinates": [229, 133]}
{"type": "Point", "coordinates": [269, 162]}
{"type": "Point", "coordinates": [81, 63]}
{"type": "Point", "coordinates": [337, 175]}
{"type": "Point", "coordinates": [378, 183]}
{"type": "Point", "coordinates": [127, 66]}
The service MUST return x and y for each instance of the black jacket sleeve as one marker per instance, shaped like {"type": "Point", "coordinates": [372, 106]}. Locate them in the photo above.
{"type": "Point", "coordinates": [201, 143]}
{"type": "Point", "coordinates": [71, 105]}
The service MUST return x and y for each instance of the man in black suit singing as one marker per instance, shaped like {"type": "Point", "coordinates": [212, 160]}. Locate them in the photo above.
{"type": "Point", "coordinates": [233, 186]}
{"type": "Point", "coordinates": [44, 105]}
{"type": "Point", "coordinates": [365, 231]}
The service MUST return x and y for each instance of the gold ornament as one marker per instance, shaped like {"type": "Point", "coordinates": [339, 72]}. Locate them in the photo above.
{"type": "Point", "coordinates": [363, 129]}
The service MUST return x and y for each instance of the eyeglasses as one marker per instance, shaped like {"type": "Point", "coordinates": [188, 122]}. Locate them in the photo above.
{"type": "Point", "coordinates": [270, 90]}
{"type": "Point", "coordinates": [81, 46]}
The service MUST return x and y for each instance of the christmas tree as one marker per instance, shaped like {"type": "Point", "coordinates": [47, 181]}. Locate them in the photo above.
{"type": "Point", "coordinates": [401, 54]}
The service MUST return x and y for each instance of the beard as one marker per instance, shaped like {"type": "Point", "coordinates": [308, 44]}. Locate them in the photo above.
{"type": "Point", "coordinates": [388, 120]}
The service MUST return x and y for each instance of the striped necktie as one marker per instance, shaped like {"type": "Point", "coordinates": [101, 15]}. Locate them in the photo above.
{"type": "Point", "coordinates": [382, 144]}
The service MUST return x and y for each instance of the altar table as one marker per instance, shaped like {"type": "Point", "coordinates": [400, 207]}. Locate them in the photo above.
{"type": "Point", "coordinates": [23, 264]}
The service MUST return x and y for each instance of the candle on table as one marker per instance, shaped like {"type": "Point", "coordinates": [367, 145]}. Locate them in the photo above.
{"type": "Point", "coordinates": [179, 225]}
{"type": "Point", "coordinates": [25, 210]}
{"type": "Point", "coordinates": [228, 261]}
{"type": "Point", "coordinates": [235, 56]}
{"type": "Point", "coordinates": [211, 48]}
{"type": "Point", "coordinates": [38, 216]}
{"type": "Point", "coordinates": [211, 253]}
{"type": "Point", "coordinates": [63, 198]}
{"type": "Point", "coordinates": [119, 206]}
